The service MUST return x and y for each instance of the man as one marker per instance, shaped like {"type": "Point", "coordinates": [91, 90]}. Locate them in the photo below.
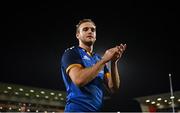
{"type": "Point", "coordinates": [84, 72]}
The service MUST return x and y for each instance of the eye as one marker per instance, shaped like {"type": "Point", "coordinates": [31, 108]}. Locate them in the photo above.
{"type": "Point", "coordinates": [93, 29]}
{"type": "Point", "coordinates": [85, 29]}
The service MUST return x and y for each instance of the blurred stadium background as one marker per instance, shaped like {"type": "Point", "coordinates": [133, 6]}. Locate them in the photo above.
{"type": "Point", "coordinates": [19, 98]}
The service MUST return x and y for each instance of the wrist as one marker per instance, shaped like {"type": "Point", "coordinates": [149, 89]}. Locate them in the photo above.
{"type": "Point", "coordinates": [114, 61]}
{"type": "Point", "coordinates": [103, 61]}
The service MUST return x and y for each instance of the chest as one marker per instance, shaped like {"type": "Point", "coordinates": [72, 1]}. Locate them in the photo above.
{"type": "Point", "coordinates": [89, 61]}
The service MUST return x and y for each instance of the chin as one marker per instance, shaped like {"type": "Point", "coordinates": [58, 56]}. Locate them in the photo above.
{"type": "Point", "coordinates": [90, 43]}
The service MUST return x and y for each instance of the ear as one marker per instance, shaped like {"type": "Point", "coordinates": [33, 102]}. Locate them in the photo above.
{"type": "Point", "coordinates": [77, 35]}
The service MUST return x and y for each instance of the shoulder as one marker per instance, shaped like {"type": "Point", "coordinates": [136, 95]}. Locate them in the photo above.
{"type": "Point", "coordinates": [71, 56]}
{"type": "Point", "coordinates": [71, 52]}
{"type": "Point", "coordinates": [70, 49]}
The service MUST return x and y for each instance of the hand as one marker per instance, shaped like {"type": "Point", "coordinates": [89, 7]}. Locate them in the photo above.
{"type": "Point", "coordinates": [121, 48]}
{"type": "Point", "coordinates": [114, 54]}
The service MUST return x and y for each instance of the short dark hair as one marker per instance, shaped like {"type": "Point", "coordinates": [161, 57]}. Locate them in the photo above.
{"type": "Point", "coordinates": [83, 21]}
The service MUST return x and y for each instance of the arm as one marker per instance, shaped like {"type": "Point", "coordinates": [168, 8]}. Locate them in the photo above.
{"type": "Point", "coordinates": [114, 78]}
{"type": "Point", "coordinates": [81, 76]}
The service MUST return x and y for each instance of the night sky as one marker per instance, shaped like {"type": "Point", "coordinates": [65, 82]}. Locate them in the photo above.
{"type": "Point", "coordinates": [34, 36]}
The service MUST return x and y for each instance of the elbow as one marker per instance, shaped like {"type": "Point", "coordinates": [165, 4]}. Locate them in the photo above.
{"type": "Point", "coordinates": [114, 89]}
{"type": "Point", "coordinates": [79, 83]}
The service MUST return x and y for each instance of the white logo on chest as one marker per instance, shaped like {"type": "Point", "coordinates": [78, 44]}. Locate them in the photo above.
{"type": "Point", "coordinates": [102, 72]}
{"type": "Point", "coordinates": [86, 57]}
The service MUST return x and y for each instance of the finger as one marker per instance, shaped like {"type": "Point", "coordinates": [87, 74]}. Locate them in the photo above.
{"type": "Point", "coordinates": [115, 49]}
{"type": "Point", "coordinates": [118, 48]}
{"type": "Point", "coordinates": [123, 47]}
{"type": "Point", "coordinates": [119, 52]}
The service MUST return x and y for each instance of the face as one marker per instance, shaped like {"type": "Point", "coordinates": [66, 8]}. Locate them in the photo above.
{"type": "Point", "coordinates": [87, 33]}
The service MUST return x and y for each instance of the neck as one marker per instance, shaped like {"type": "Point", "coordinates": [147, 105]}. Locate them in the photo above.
{"type": "Point", "coordinates": [87, 48]}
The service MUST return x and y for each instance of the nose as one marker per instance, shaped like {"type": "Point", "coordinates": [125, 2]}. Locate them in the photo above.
{"type": "Point", "coordinates": [90, 30]}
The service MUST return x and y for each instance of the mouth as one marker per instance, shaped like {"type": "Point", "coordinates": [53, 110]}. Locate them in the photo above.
{"type": "Point", "coordinates": [90, 37]}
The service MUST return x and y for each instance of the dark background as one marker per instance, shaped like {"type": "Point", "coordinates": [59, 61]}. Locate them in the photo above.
{"type": "Point", "coordinates": [35, 34]}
